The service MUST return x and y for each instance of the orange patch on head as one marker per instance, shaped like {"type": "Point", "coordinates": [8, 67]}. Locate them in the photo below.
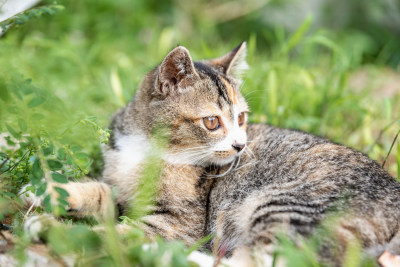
{"type": "Point", "coordinates": [231, 92]}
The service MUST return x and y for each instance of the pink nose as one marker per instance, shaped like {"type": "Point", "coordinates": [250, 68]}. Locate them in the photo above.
{"type": "Point", "coordinates": [238, 147]}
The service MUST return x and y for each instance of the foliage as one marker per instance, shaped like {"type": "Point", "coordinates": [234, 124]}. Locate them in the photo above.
{"type": "Point", "coordinates": [25, 16]}
{"type": "Point", "coordinates": [66, 70]}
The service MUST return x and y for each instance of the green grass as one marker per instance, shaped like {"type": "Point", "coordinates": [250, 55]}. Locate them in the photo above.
{"type": "Point", "coordinates": [65, 71]}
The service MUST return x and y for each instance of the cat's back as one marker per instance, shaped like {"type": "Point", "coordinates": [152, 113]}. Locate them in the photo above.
{"type": "Point", "coordinates": [298, 177]}
{"type": "Point", "coordinates": [276, 158]}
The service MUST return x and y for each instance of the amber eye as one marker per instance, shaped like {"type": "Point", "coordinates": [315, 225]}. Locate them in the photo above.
{"type": "Point", "coordinates": [212, 123]}
{"type": "Point", "coordinates": [241, 118]}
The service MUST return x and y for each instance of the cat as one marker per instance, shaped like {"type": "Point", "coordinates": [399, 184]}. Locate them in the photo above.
{"type": "Point", "coordinates": [221, 175]}
{"type": "Point", "coordinates": [175, 95]}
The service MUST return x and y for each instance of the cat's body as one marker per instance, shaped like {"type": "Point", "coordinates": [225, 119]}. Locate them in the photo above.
{"type": "Point", "coordinates": [285, 179]}
{"type": "Point", "coordinates": [294, 180]}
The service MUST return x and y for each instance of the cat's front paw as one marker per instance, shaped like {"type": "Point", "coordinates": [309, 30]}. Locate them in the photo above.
{"type": "Point", "coordinates": [36, 227]}
{"type": "Point", "coordinates": [30, 199]}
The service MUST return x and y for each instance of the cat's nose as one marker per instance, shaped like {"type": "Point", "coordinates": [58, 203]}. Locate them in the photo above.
{"type": "Point", "coordinates": [238, 147]}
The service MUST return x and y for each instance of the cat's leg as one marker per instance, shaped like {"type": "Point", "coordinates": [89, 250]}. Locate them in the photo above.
{"type": "Point", "coordinates": [178, 225]}
{"type": "Point", "coordinates": [89, 198]}
{"type": "Point", "coordinates": [180, 211]}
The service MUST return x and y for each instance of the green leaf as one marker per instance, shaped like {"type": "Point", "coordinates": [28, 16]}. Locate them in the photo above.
{"type": "Point", "coordinates": [81, 155]}
{"type": "Point", "coordinates": [48, 150]}
{"type": "Point", "coordinates": [62, 202]}
{"type": "Point", "coordinates": [41, 189]}
{"type": "Point", "coordinates": [62, 192]}
{"type": "Point", "coordinates": [9, 194]}
{"type": "Point", "coordinates": [59, 178]}
{"type": "Point", "coordinates": [54, 164]}
{"type": "Point", "coordinates": [36, 174]}
{"type": "Point", "coordinates": [298, 35]}
{"type": "Point", "coordinates": [36, 101]}
{"type": "Point", "coordinates": [31, 188]}
{"type": "Point", "coordinates": [70, 160]}
{"type": "Point", "coordinates": [61, 154]}
{"type": "Point", "coordinates": [22, 125]}
{"type": "Point", "coordinates": [13, 132]}
{"type": "Point", "coordinates": [47, 203]}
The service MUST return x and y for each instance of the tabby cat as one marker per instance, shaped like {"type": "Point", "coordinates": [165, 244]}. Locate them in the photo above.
{"type": "Point", "coordinates": [243, 182]}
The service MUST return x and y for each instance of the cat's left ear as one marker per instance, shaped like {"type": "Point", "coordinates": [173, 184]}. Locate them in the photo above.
{"type": "Point", "coordinates": [176, 72]}
{"type": "Point", "coordinates": [234, 62]}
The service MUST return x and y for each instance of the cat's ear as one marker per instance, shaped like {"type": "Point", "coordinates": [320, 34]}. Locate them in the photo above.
{"type": "Point", "coordinates": [234, 62]}
{"type": "Point", "coordinates": [176, 72]}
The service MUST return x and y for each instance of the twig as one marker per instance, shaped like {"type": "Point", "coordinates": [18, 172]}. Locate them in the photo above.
{"type": "Point", "coordinates": [4, 237]}
{"type": "Point", "coordinates": [380, 135]}
{"type": "Point", "coordinates": [15, 165]}
{"type": "Point", "coordinates": [29, 210]}
{"type": "Point", "coordinates": [390, 150]}
{"type": "Point", "coordinates": [4, 162]}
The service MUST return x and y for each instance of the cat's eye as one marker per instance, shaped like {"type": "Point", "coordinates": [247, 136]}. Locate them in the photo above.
{"type": "Point", "coordinates": [212, 123]}
{"type": "Point", "coordinates": [241, 118]}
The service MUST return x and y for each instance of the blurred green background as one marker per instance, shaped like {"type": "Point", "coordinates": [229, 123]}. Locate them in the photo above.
{"type": "Point", "coordinates": [330, 67]}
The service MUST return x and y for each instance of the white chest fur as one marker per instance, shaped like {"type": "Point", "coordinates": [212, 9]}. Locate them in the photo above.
{"type": "Point", "coordinates": [122, 164]}
{"type": "Point", "coordinates": [130, 152]}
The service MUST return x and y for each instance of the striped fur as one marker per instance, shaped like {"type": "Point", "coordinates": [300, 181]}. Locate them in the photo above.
{"type": "Point", "coordinates": [293, 182]}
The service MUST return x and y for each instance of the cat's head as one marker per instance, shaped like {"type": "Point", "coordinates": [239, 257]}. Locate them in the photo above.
{"type": "Point", "coordinates": [201, 104]}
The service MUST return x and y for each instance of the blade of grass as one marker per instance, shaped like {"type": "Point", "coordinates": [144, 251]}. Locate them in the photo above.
{"type": "Point", "coordinates": [391, 147]}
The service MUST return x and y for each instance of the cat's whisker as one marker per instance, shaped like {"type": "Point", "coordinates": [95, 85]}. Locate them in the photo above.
{"type": "Point", "coordinates": [193, 157]}
{"type": "Point", "coordinates": [202, 159]}
{"type": "Point", "coordinates": [193, 151]}
{"type": "Point", "coordinates": [225, 173]}
{"type": "Point", "coordinates": [251, 151]}
{"type": "Point", "coordinates": [237, 164]}
{"type": "Point", "coordinates": [255, 141]}
{"type": "Point", "coordinates": [247, 164]}
{"type": "Point", "coordinates": [251, 92]}
{"type": "Point", "coordinates": [248, 154]}
{"type": "Point", "coordinates": [200, 148]}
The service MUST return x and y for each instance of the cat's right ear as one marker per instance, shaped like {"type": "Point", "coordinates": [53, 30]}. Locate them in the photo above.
{"type": "Point", "coordinates": [175, 72]}
{"type": "Point", "coordinates": [234, 62]}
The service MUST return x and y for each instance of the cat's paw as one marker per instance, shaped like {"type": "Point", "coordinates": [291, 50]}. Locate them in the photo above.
{"type": "Point", "coordinates": [36, 227]}
{"type": "Point", "coordinates": [389, 260]}
{"type": "Point", "coordinates": [246, 257]}
{"type": "Point", "coordinates": [30, 199]}
{"type": "Point", "coordinates": [242, 257]}
{"type": "Point", "coordinates": [201, 259]}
